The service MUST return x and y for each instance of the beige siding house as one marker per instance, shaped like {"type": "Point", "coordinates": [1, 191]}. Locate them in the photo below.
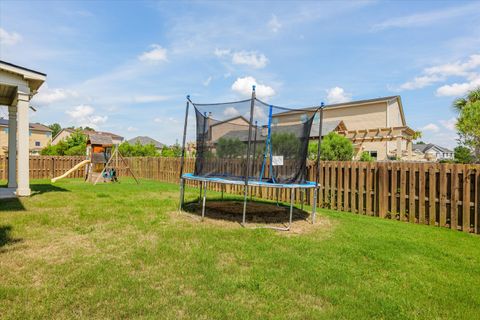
{"type": "Point", "coordinates": [39, 137]}
{"type": "Point", "coordinates": [377, 126]}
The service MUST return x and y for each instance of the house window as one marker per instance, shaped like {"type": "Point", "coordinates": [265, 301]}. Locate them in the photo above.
{"type": "Point", "coordinates": [5, 130]}
{"type": "Point", "coordinates": [37, 143]}
{"type": "Point", "coordinates": [48, 134]}
{"type": "Point", "coordinates": [373, 154]}
{"type": "Point", "coordinates": [29, 132]}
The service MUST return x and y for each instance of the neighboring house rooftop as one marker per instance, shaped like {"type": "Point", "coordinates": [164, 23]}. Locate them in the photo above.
{"type": "Point", "coordinates": [428, 146]}
{"type": "Point", "coordinates": [356, 103]}
{"type": "Point", "coordinates": [33, 126]}
{"type": "Point", "coordinates": [90, 132]}
{"type": "Point", "coordinates": [144, 140]}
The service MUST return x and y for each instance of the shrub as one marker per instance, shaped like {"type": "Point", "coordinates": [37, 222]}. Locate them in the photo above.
{"type": "Point", "coordinates": [334, 148]}
{"type": "Point", "coordinates": [366, 156]}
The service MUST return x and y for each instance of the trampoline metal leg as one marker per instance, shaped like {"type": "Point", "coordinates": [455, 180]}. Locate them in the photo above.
{"type": "Point", "coordinates": [292, 192]}
{"type": "Point", "coordinates": [314, 206]}
{"type": "Point", "coordinates": [222, 186]}
{"type": "Point", "coordinates": [302, 196]}
{"type": "Point", "coordinates": [277, 192]}
{"type": "Point", "coordinates": [182, 194]}
{"type": "Point", "coordinates": [200, 193]}
{"type": "Point", "coordinates": [245, 197]}
{"type": "Point", "coordinates": [204, 199]}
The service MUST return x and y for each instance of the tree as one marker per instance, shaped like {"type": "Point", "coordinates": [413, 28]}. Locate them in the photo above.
{"type": "Point", "coordinates": [56, 128]}
{"type": "Point", "coordinates": [334, 147]}
{"type": "Point", "coordinates": [285, 144]}
{"type": "Point", "coordinates": [172, 151]}
{"type": "Point", "coordinates": [468, 123]}
{"type": "Point", "coordinates": [463, 155]}
{"type": "Point", "coordinates": [366, 156]}
{"type": "Point", "coordinates": [138, 150]}
{"type": "Point", "coordinates": [75, 144]}
{"type": "Point", "coordinates": [230, 148]}
{"type": "Point", "coordinates": [417, 135]}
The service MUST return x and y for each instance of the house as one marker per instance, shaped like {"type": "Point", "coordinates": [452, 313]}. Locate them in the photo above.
{"type": "Point", "coordinates": [433, 152]}
{"type": "Point", "coordinates": [377, 126]}
{"type": "Point", "coordinates": [144, 140]}
{"type": "Point", "coordinates": [66, 132]}
{"type": "Point", "coordinates": [39, 137]}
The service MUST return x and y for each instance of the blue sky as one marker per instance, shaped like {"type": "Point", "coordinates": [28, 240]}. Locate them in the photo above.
{"type": "Point", "coordinates": [126, 66]}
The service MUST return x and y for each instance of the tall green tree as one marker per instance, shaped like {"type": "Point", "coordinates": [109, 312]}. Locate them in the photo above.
{"type": "Point", "coordinates": [334, 147]}
{"type": "Point", "coordinates": [138, 150]}
{"type": "Point", "coordinates": [56, 128]}
{"type": "Point", "coordinates": [468, 123]}
{"type": "Point", "coordinates": [463, 155]}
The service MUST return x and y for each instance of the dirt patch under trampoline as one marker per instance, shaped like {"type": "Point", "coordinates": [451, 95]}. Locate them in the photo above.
{"type": "Point", "coordinates": [259, 214]}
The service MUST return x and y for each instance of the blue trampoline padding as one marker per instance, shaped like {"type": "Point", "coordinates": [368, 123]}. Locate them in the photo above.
{"type": "Point", "coordinates": [256, 183]}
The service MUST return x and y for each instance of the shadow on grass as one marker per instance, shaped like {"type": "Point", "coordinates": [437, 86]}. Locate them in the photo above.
{"type": "Point", "coordinates": [5, 236]}
{"type": "Point", "coordinates": [11, 204]}
{"type": "Point", "coordinates": [38, 189]}
{"type": "Point", "coordinates": [258, 211]}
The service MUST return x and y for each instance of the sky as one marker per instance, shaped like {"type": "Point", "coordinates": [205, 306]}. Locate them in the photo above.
{"type": "Point", "coordinates": [126, 67]}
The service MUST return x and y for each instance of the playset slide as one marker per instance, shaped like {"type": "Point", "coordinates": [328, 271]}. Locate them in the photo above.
{"type": "Point", "coordinates": [76, 167]}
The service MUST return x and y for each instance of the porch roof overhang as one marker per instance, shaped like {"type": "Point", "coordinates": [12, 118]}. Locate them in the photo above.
{"type": "Point", "coordinates": [379, 134]}
{"type": "Point", "coordinates": [14, 79]}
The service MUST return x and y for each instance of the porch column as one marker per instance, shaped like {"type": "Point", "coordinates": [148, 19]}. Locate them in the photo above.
{"type": "Point", "coordinates": [409, 149]}
{"type": "Point", "coordinates": [12, 146]}
{"type": "Point", "coordinates": [23, 145]}
{"type": "Point", "coordinates": [399, 148]}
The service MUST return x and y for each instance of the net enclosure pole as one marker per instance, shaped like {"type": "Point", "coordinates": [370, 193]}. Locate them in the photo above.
{"type": "Point", "coordinates": [182, 159]}
{"type": "Point", "coordinates": [254, 162]}
{"type": "Point", "coordinates": [317, 176]}
{"type": "Point", "coordinates": [247, 165]}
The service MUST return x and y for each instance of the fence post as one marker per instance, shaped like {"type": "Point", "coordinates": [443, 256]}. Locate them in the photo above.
{"type": "Point", "coordinates": [382, 190]}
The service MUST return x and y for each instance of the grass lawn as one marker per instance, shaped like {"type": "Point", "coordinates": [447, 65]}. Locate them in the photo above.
{"type": "Point", "coordinates": [74, 250]}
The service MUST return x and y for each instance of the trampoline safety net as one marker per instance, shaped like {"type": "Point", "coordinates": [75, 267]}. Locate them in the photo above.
{"type": "Point", "coordinates": [278, 141]}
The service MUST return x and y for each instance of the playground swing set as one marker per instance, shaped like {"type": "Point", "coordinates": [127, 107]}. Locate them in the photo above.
{"type": "Point", "coordinates": [102, 161]}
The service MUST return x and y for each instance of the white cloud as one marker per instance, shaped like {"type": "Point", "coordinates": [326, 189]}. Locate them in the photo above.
{"type": "Point", "coordinates": [430, 127]}
{"type": "Point", "coordinates": [157, 53]}
{"type": "Point", "coordinates": [426, 18]}
{"type": "Point", "coordinates": [83, 115]}
{"type": "Point", "coordinates": [221, 52]}
{"type": "Point", "coordinates": [207, 81]}
{"type": "Point", "coordinates": [149, 98]}
{"type": "Point", "coordinates": [132, 129]}
{"type": "Point", "coordinates": [449, 124]}
{"type": "Point", "coordinates": [9, 38]}
{"type": "Point", "coordinates": [337, 95]}
{"type": "Point", "coordinates": [167, 120]}
{"type": "Point", "coordinates": [441, 73]}
{"type": "Point", "coordinates": [250, 58]}
{"type": "Point", "coordinates": [231, 112]}
{"type": "Point", "coordinates": [456, 68]}
{"type": "Point", "coordinates": [458, 89]}
{"type": "Point", "coordinates": [274, 24]}
{"type": "Point", "coordinates": [48, 96]}
{"type": "Point", "coordinates": [243, 86]}
{"type": "Point", "coordinates": [420, 82]}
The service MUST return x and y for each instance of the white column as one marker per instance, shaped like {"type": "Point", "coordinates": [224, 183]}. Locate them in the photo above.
{"type": "Point", "coordinates": [399, 148]}
{"type": "Point", "coordinates": [12, 146]}
{"type": "Point", "coordinates": [23, 145]}
{"type": "Point", "coordinates": [409, 149]}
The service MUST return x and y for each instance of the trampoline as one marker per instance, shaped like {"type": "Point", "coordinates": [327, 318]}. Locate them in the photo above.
{"type": "Point", "coordinates": [253, 144]}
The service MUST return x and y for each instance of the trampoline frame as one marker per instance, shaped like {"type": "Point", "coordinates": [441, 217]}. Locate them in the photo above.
{"type": "Point", "coordinates": [249, 182]}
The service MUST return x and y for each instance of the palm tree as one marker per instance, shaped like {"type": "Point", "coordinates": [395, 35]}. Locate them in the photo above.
{"type": "Point", "coordinates": [471, 97]}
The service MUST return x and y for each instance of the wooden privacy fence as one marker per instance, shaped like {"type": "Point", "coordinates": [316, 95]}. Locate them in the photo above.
{"type": "Point", "coordinates": [436, 194]}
